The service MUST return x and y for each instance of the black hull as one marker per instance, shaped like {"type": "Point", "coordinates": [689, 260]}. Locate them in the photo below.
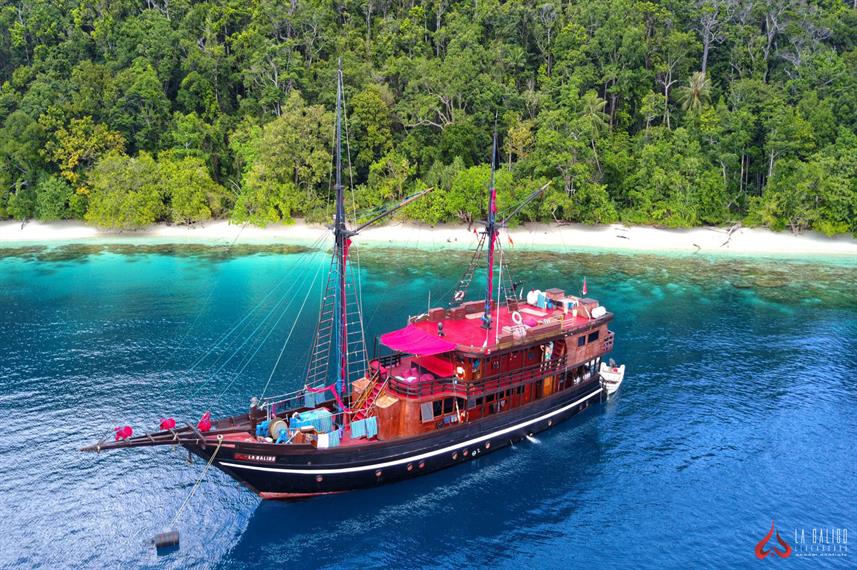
{"type": "Point", "coordinates": [292, 471]}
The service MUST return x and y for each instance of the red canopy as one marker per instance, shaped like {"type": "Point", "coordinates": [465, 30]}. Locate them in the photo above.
{"type": "Point", "coordinates": [416, 341]}
{"type": "Point", "coordinates": [440, 366]}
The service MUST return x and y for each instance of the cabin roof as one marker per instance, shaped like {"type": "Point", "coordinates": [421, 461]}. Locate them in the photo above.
{"type": "Point", "coordinates": [462, 328]}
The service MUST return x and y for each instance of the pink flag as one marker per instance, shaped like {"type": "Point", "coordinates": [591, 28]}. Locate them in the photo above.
{"type": "Point", "coordinates": [584, 286]}
{"type": "Point", "coordinates": [204, 424]}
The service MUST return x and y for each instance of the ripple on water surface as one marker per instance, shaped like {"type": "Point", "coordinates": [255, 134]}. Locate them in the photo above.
{"type": "Point", "coordinates": [737, 408]}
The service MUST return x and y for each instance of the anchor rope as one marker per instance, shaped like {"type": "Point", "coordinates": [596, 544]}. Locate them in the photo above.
{"type": "Point", "coordinates": [198, 481]}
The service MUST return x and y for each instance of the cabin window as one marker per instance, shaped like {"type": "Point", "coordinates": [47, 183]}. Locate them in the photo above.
{"type": "Point", "coordinates": [490, 397]}
{"type": "Point", "coordinates": [437, 407]}
{"type": "Point", "coordinates": [581, 340]}
{"type": "Point", "coordinates": [593, 336]}
{"type": "Point", "coordinates": [448, 406]}
{"type": "Point", "coordinates": [426, 412]}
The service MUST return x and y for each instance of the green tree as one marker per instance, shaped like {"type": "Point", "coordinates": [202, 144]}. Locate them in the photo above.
{"type": "Point", "coordinates": [193, 195]}
{"type": "Point", "coordinates": [126, 192]}
{"type": "Point", "coordinates": [820, 193]}
{"type": "Point", "coordinates": [371, 126]}
{"type": "Point", "coordinates": [593, 117]}
{"type": "Point", "coordinates": [76, 147]}
{"type": "Point", "coordinates": [20, 164]}
{"type": "Point", "coordinates": [141, 110]}
{"type": "Point", "coordinates": [54, 198]}
{"type": "Point", "coordinates": [294, 160]}
{"type": "Point", "coordinates": [582, 92]}
{"type": "Point", "coordinates": [674, 185]}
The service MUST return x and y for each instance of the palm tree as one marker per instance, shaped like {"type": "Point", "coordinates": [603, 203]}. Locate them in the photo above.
{"type": "Point", "coordinates": [594, 117]}
{"type": "Point", "coordinates": [697, 92]}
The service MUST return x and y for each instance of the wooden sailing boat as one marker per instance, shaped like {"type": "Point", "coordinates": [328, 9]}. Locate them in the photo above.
{"type": "Point", "coordinates": [459, 381]}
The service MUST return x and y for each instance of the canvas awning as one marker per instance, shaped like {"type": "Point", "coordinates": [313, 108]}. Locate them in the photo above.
{"type": "Point", "coordinates": [413, 340]}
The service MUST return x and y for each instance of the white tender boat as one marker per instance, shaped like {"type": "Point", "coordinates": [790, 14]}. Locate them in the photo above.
{"type": "Point", "coordinates": [611, 376]}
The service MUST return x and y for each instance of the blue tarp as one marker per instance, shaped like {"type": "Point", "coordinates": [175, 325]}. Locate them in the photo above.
{"type": "Point", "coordinates": [312, 399]}
{"type": "Point", "coordinates": [371, 426]}
{"type": "Point", "coordinates": [333, 438]}
{"type": "Point", "coordinates": [358, 429]}
{"type": "Point", "coordinates": [364, 428]}
{"type": "Point", "coordinates": [320, 419]}
{"type": "Point", "coordinates": [262, 428]}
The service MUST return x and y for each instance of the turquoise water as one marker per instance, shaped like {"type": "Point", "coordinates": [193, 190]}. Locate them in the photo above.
{"type": "Point", "coordinates": [738, 408]}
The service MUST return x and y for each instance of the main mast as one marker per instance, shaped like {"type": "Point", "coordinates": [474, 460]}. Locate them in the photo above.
{"type": "Point", "coordinates": [491, 233]}
{"type": "Point", "coordinates": [342, 242]}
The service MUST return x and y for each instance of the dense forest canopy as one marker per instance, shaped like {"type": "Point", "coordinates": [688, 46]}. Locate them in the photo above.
{"type": "Point", "coordinates": [675, 113]}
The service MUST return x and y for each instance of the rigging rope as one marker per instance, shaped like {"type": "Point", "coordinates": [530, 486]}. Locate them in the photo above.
{"type": "Point", "coordinates": [207, 299]}
{"type": "Point", "coordinates": [294, 323]}
{"type": "Point", "coordinates": [241, 322]}
{"type": "Point", "coordinates": [250, 337]}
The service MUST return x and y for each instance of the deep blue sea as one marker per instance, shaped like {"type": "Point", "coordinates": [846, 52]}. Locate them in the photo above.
{"type": "Point", "coordinates": [738, 408]}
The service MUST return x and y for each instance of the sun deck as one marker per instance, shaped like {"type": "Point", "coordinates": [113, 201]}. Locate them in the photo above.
{"type": "Point", "coordinates": [462, 328]}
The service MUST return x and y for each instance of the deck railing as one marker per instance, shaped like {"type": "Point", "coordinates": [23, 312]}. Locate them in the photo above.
{"type": "Point", "coordinates": [502, 380]}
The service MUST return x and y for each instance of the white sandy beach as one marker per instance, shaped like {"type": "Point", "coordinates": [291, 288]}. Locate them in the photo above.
{"type": "Point", "coordinates": [531, 236]}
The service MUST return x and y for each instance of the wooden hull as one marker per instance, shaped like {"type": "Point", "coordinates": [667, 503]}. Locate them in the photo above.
{"type": "Point", "coordinates": [298, 471]}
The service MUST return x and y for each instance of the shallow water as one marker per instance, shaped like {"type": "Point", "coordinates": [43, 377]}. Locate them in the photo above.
{"type": "Point", "coordinates": [738, 408]}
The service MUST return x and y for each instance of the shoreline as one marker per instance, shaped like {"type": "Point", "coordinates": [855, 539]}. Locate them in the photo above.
{"type": "Point", "coordinates": [548, 237]}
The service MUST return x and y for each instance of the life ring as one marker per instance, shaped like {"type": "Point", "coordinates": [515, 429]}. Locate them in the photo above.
{"type": "Point", "coordinates": [459, 296]}
{"type": "Point", "coordinates": [517, 318]}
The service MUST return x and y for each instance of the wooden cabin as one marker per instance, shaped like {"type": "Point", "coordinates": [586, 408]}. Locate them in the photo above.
{"type": "Point", "coordinates": [448, 368]}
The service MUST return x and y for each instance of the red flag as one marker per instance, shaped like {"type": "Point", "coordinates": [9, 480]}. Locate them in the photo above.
{"type": "Point", "coordinates": [123, 432]}
{"type": "Point", "coordinates": [204, 424]}
{"type": "Point", "coordinates": [584, 285]}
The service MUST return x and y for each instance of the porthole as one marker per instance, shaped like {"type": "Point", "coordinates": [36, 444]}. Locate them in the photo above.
{"type": "Point", "coordinates": [422, 464]}
{"type": "Point", "coordinates": [454, 455]}
{"type": "Point", "coordinates": [319, 478]}
{"type": "Point", "coordinates": [550, 423]}
{"type": "Point", "coordinates": [410, 466]}
{"type": "Point", "coordinates": [487, 445]}
{"type": "Point", "coordinates": [378, 473]}
{"type": "Point", "coordinates": [466, 453]}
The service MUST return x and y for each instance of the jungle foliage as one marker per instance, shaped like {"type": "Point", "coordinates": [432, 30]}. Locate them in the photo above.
{"type": "Point", "coordinates": [675, 113]}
